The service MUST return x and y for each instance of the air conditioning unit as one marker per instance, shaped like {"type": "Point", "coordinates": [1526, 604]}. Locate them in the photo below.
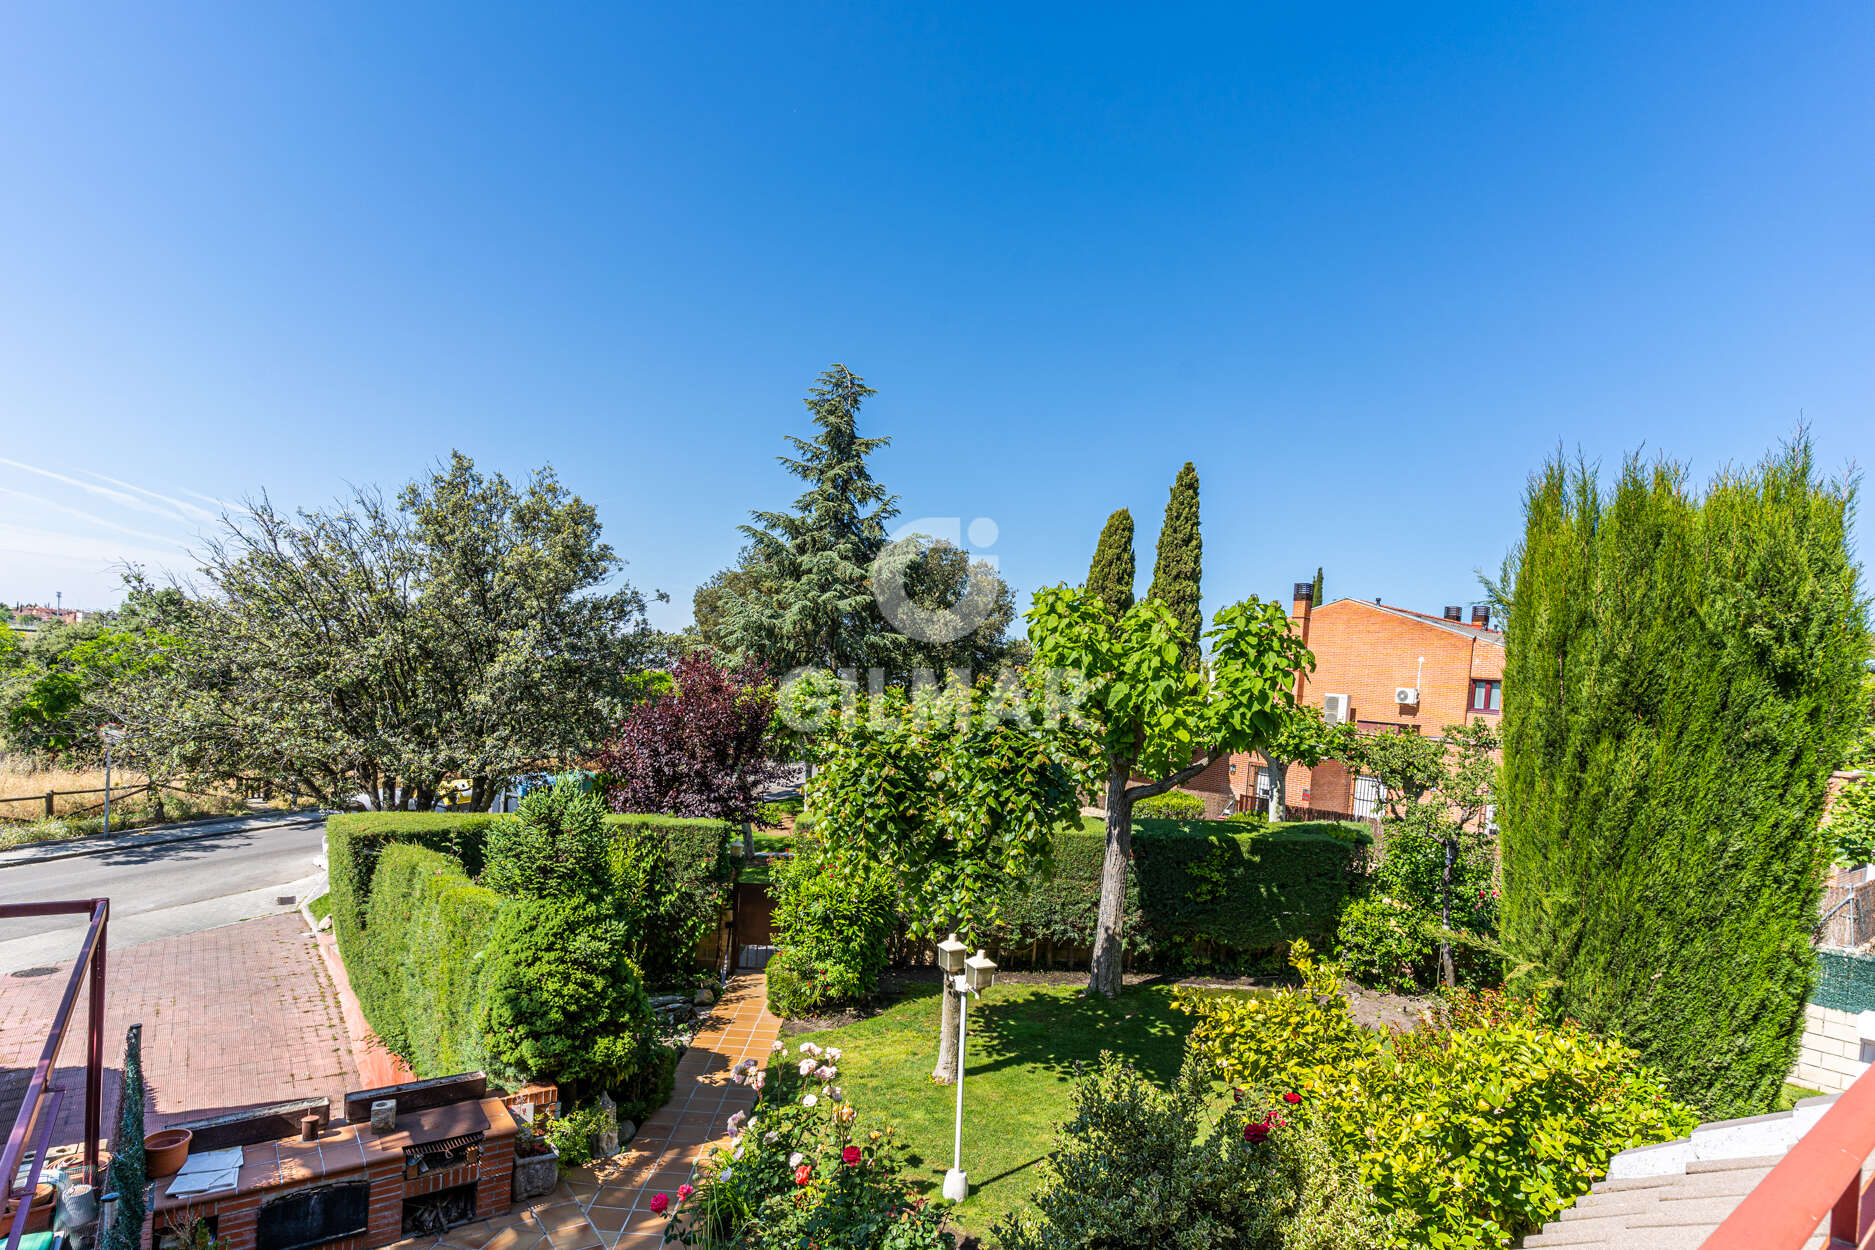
{"type": "Point", "coordinates": [1406, 694]}
{"type": "Point", "coordinates": [1335, 709]}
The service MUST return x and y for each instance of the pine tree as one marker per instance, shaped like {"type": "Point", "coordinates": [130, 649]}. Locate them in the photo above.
{"type": "Point", "coordinates": [1110, 577]}
{"type": "Point", "coordinates": [1316, 594]}
{"type": "Point", "coordinates": [816, 561]}
{"type": "Point", "coordinates": [1681, 680]}
{"type": "Point", "coordinates": [1179, 568]}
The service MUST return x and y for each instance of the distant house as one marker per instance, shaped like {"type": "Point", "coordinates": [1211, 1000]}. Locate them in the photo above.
{"type": "Point", "coordinates": [40, 612]}
{"type": "Point", "coordinates": [1379, 667]}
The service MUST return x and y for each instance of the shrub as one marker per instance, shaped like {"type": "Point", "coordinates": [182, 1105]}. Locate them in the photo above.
{"type": "Point", "coordinates": [1412, 868]}
{"type": "Point", "coordinates": [832, 922]}
{"type": "Point", "coordinates": [1484, 1124]}
{"type": "Point", "coordinates": [418, 972]}
{"type": "Point", "coordinates": [1172, 805]}
{"type": "Point", "coordinates": [1197, 891]}
{"type": "Point", "coordinates": [128, 1171]}
{"type": "Point", "coordinates": [1681, 676]}
{"type": "Point", "coordinates": [571, 1135]}
{"type": "Point", "coordinates": [1284, 1039]}
{"type": "Point", "coordinates": [1139, 1167]}
{"type": "Point", "coordinates": [669, 882]}
{"type": "Point", "coordinates": [561, 1000]}
{"type": "Point", "coordinates": [692, 861]}
{"type": "Point", "coordinates": [1387, 943]}
{"type": "Point", "coordinates": [555, 847]}
{"type": "Point", "coordinates": [801, 1170]}
{"type": "Point", "coordinates": [1473, 1129]}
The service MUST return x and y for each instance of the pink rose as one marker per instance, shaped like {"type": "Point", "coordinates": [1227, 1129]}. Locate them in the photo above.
{"type": "Point", "coordinates": [660, 1203]}
{"type": "Point", "coordinates": [684, 1191]}
{"type": "Point", "coordinates": [850, 1156]}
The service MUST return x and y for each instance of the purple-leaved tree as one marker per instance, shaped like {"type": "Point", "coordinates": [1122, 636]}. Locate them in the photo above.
{"type": "Point", "coordinates": [704, 748]}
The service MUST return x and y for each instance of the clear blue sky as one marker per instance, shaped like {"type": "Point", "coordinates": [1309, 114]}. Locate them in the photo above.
{"type": "Point", "coordinates": [1365, 268]}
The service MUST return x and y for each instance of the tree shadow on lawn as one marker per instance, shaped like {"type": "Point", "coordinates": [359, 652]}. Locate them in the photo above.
{"type": "Point", "coordinates": [1027, 1026]}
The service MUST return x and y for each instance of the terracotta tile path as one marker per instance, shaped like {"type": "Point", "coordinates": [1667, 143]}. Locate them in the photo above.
{"type": "Point", "coordinates": [239, 1016]}
{"type": "Point", "coordinates": [608, 1205]}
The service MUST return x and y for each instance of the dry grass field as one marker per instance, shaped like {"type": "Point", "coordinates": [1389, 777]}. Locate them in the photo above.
{"type": "Point", "coordinates": [23, 787]}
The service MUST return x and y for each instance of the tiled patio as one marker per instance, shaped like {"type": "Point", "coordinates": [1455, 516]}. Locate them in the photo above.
{"type": "Point", "coordinates": [608, 1205]}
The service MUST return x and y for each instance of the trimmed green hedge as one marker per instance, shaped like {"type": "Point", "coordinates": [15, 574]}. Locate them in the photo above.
{"type": "Point", "coordinates": [413, 926]}
{"type": "Point", "coordinates": [696, 850]}
{"type": "Point", "coordinates": [418, 972]}
{"type": "Point", "coordinates": [1208, 890]}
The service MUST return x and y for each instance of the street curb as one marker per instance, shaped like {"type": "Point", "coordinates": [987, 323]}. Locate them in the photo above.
{"type": "Point", "coordinates": [102, 846]}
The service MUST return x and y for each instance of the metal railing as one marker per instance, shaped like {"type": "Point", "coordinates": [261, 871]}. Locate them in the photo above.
{"type": "Point", "coordinates": [39, 1108]}
{"type": "Point", "coordinates": [1820, 1177]}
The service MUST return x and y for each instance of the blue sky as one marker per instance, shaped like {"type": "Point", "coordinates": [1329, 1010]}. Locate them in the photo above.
{"type": "Point", "coordinates": [1366, 268]}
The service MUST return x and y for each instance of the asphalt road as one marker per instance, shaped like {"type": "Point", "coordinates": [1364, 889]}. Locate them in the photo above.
{"type": "Point", "coordinates": [161, 889]}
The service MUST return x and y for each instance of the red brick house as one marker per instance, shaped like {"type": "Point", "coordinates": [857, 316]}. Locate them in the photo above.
{"type": "Point", "coordinates": [1379, 667]}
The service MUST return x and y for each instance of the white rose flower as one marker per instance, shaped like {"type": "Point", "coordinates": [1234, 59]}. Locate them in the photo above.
{"type": "Point", "coordinates": [796, 1159]}
{"type": "Point", "coordinates": [809, 1100]}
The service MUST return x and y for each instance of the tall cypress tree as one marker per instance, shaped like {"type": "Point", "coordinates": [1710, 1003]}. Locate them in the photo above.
{"type": "Point", "coordinates": [1316, 594]}
{"type": "Point", "coordinates": [1680, 681]}
{"type": "Point", "coordinates": [1110, 577]}
{"type": "Point", "coordinates": [1179, 568]}
{"type": "Point", "coordinates": [817, 606]}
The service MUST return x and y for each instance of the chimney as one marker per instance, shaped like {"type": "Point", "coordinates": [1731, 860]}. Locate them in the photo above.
{"type": "Point", "coordinates": [1481, 616]}
{"type": "Point", "coordinates": [1453, 612]}
{"type": "Point", "coordinates": [1304, 596]}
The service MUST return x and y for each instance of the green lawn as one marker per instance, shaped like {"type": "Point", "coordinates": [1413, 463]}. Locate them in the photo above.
{"type": "Point", "coordinates": [762, 873]}
{"type": "Point", "coordinates": [1024, 1041]}
{"type": "Point", "coordinates": [320, 907]}
{"type": "Point", "coordinates": [1791, 1095]}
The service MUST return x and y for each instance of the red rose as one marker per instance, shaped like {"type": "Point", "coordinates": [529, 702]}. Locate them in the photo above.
{"type": "Point", "coordinates": [1256, 1131]}
{"type": "Point", "coordinates": [850, 1156]}
{"type": "Point", "coordinates": [660, 1203]}
{"type": "Point", "coordinates": [802, 1173]}
{"type": "Point", "coordinates": [1292, 1099]}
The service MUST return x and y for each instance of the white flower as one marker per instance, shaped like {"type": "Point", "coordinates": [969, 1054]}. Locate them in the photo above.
{"type": "Point", "coordinates": [737, 1120]}
{"type": "Point", "coordinates": [825, 1073]}
{"type": "Point", "coordinates": [779, 1047]}
{"type": "Point", "coordinates": [807, 1067]}
{"type": "Point", "coordinates": [833, 1053]}
{"type": "Point", "coordinates": [770, 1138]}
{"type": "Point", "coordinates": [738, 1150]}
{"type": "Point", "coordinates": [757, 1081]}
{"type": "Point", "coordinates": [807, 1048]}
{"type": "Point", "coordinates": [796, 1159]}
{"type": "Point", "coordinates": [728, 1172]}
{"type": "Point", "coordinates": [808, 1100]}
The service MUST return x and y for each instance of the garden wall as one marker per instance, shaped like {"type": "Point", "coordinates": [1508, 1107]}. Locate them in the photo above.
{"type": "Point", "coordinates": [1838, 1023]}
{"type": "Point", "coordinates": [1197, 892]}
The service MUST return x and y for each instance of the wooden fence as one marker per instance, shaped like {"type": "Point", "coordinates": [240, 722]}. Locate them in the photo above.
{"type": "Point", "coordinates": [28, 807]}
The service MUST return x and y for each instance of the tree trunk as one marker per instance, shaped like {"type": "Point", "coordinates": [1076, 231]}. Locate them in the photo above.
{"type": "Point", "coordinates": [1104, 972]}
{"type": "Point", "coordinates": [748, 842]}
{"type": "Point", "coordinates": [946, 1071]}
{"type": "Point", "coordinates": [1279, 784]}
{"type": "Point", "coordinates": [480, 792]}
{"type": "Point", "coordinates": [1447, 976]}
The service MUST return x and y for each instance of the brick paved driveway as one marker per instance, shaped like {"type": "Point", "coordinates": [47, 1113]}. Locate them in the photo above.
{"type": "Point", "coordinates": [239, 1016]}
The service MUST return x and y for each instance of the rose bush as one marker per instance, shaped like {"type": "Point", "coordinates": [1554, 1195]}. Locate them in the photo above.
{"type": "Point", "coordinates": [800, 1170]}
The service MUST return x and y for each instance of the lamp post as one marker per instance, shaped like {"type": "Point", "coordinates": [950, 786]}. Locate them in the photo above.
{"type": "Point", "coordinates": [110, 733]}
{"type": "Point", "coordinates": [962, 977]}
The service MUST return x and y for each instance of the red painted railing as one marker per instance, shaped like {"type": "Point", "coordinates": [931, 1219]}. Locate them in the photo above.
{"type": "Point", "coordinates": [1821, 1176]}
{"type": "Point", "coordinates": [39, 1109]}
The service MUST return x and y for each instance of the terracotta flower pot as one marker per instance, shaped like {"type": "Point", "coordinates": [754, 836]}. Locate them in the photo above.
{"type": "Point", "coordinates": [38, 1213]}
{"type": "Point", "coordinates": [164, 1151]}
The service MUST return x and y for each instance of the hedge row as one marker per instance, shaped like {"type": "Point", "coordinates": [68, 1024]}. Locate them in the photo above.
{"type": "Point", "coordinates": [1231, 889]}
{"type": "Point", "coordinates": [417, 970]}
{"type": "Point", "coordinates": [696, 849]}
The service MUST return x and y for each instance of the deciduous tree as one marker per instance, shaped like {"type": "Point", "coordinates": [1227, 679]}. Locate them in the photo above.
{"type": "Point", "coordinates": [1158, 718]}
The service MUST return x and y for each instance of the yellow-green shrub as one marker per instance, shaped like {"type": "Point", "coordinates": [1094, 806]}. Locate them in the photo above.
{"type": "Point", "coordinates": [1474, 1128]}
{"type": "Point", "coordinates": [1282, 1040]}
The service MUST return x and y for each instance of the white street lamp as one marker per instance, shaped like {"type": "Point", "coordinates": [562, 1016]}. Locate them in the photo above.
{"type": "Point", "coordinates": [978, 974]}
